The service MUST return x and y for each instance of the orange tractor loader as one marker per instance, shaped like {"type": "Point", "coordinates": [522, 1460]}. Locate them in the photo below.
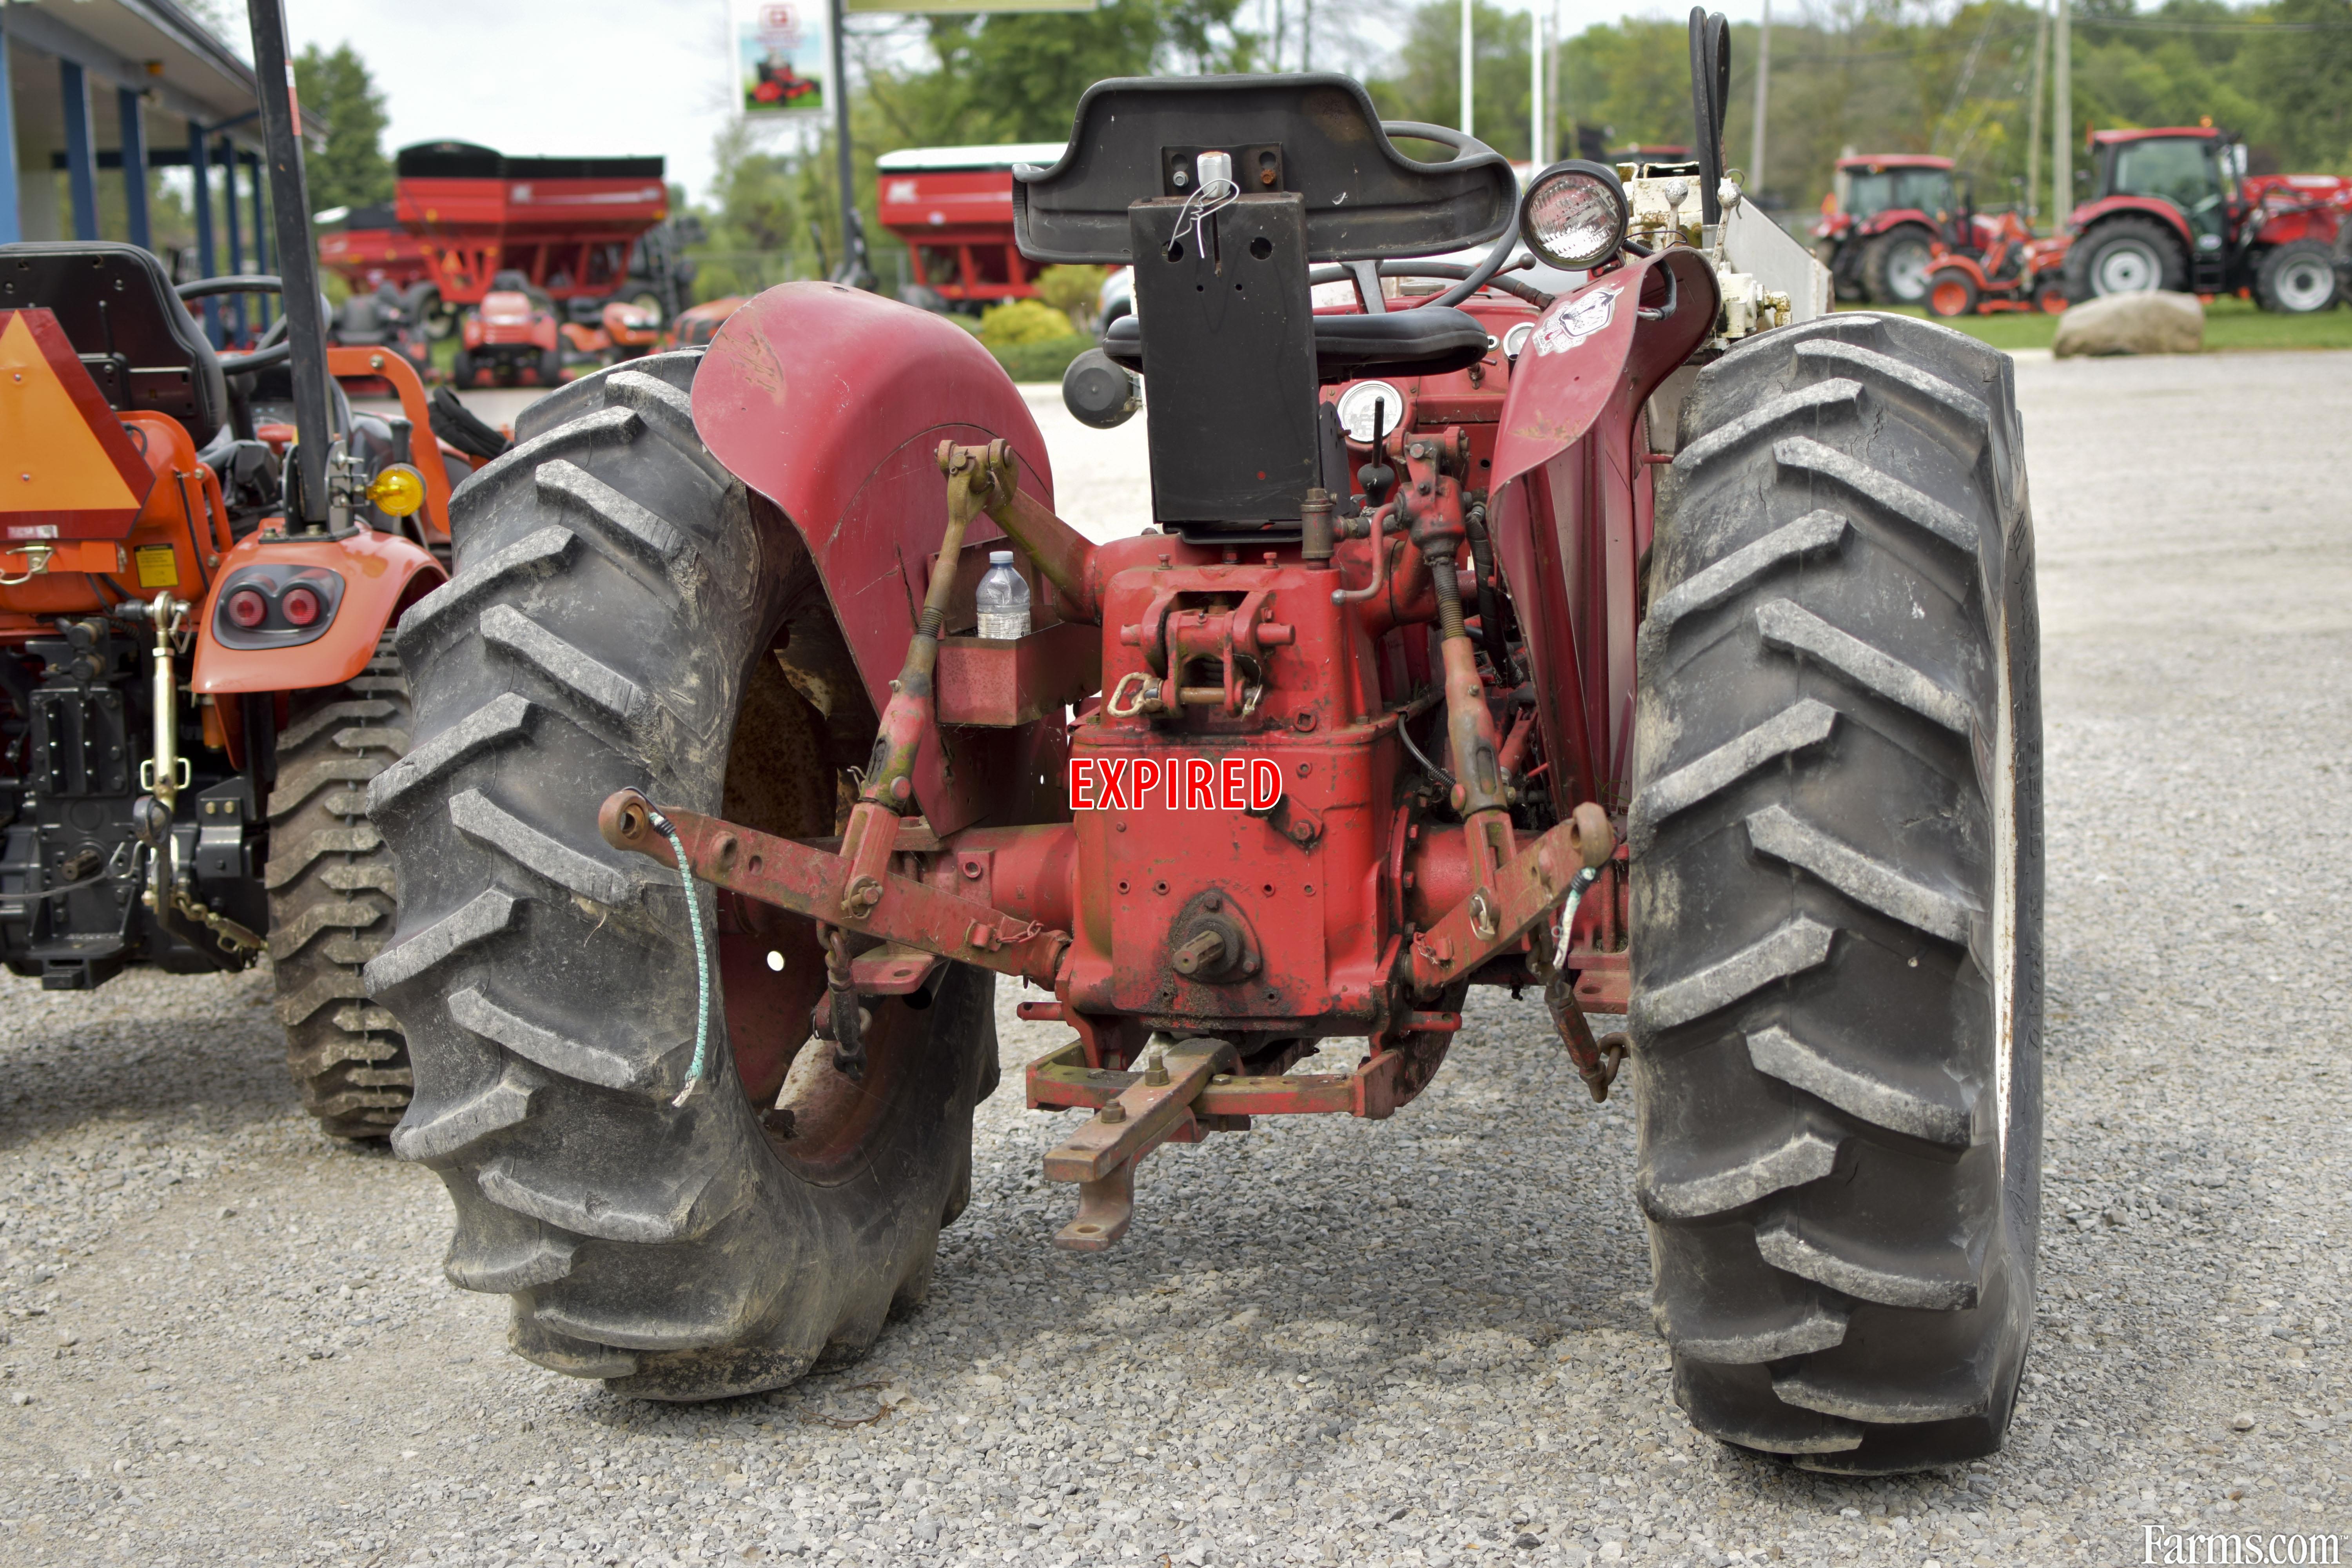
{"type": "Point", "coordinates": [197, 677]}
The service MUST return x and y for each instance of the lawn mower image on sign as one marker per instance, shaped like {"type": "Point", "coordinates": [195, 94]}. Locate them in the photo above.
{"type": "Point", "coordinates": [200, 558]}
{"type": "Point", "coordinates": [1447, 663]}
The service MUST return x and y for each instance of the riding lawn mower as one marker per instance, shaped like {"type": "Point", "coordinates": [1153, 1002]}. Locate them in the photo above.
{"type": "Point", "coordinates": [1666, 646]}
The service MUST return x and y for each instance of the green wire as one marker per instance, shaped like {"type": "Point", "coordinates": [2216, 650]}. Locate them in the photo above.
{"type": "Point", "coordinates": [701, 962]}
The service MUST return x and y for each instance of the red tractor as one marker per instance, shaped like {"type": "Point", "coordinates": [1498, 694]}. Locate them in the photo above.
{"type": "Point", "coordinates": [2174, 209]}
{"type": "Point", "coordinates": [510, 338]}
{"type": "Point", "coordinates": [200, 558]}
{"type": "Point", "coordinates": [1448, 662]}
{"type": "Point", "coordinates": [1882, 220]}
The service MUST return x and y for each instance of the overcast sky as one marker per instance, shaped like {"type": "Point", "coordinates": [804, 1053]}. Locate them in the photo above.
{"type": "Point", "coordinates": [600, 77]}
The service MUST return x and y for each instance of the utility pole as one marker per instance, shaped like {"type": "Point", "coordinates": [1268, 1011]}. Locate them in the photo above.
{"type": "Point", "coordinates": [1763, 94]}
{"type": "Point", "coordinates": [2062, 126]}
{"type": "Point", "coordinates": [1551, 92]}
{"type": "Point", "coordinates": [1536, 86]}
{"type": "Point", "coordinates": [2033, 116]}
{"type": "Point", "coordinates": [1466, 129]}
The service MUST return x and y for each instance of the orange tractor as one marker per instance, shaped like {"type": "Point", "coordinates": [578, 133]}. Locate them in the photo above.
{"type": "Point", "coordinates": [2011, 271]}
{"type": "Point", "coordinates": [197, 677]}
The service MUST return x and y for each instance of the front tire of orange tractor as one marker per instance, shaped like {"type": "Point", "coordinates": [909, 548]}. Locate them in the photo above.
{"type": "Point", "coordinates": [1952, 292]}
{"type": "Point", "coordinates": [611, 626]}
{"type": "Point", "coordinates": [1837, 899]}
{"type": "Point", "coordinates": [333, 892]}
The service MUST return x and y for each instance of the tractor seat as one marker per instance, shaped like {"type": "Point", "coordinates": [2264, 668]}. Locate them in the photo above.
{"type": "Point", "coordinates": [133, 332]}
{"type": "Point", "coordinates": [1427, 341]}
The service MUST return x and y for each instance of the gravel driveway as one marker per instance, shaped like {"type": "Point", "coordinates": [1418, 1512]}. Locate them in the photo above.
{"type": "Point", "coordinates": [1423, 1341]}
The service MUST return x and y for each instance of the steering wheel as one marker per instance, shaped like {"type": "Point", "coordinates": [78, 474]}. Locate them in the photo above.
{"type": "Point", "coordinates": [1476, 277]}
{"type": "Point", "coordinates": [272, 349]}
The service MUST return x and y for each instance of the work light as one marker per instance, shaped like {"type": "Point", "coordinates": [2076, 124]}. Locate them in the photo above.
{"type": "Point", "coordinates": [1573, 214]}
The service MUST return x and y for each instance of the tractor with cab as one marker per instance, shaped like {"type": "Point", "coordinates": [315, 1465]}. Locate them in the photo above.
{"type": "Point", "coordinates": [1662, 647]}
{"type": "Point", "coordinates": [1883, 220]}
{"type": "Point", "coordinates": [202, 555]}
{"type": "Point", "coordinates": [2174, 208]}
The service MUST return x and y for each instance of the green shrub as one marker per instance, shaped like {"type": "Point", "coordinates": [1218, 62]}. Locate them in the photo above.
{"type": "Point", "coordinates": [1073, 290]}
{"type": "Point", "coordinates": [1040, 361]}
{"type": "Point", "coordinates": [1019, 321]}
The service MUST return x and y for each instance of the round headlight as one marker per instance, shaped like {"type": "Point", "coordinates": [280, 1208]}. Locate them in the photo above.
{"type": "Point", "coordinates": [1360, 403]}
{"type": "Point", "coordinates": [1574, 215]}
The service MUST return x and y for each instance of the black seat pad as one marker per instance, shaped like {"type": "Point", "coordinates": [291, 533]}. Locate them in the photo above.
{"type": "Point", "coordinates": [143, 348]}
{"type": "Point", "coordinates": [1428, 341]}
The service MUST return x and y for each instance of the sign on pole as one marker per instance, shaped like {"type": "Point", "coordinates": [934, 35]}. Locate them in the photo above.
{"type": "Point", "coordinates": [782, 60]}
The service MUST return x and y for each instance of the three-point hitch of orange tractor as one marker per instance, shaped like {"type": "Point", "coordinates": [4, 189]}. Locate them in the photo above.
{"type": "Point", "coordinates": [1259, 858]}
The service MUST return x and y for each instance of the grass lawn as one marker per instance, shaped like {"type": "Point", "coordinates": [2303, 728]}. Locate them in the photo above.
{"type": "Point", "coordinates": [2229, 325]}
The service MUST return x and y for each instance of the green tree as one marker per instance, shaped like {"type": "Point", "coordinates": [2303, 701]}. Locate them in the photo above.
{"type": "Point", "coordinates": [1427, 85]}
{"type": "Point", "coordinates": [352, 171]}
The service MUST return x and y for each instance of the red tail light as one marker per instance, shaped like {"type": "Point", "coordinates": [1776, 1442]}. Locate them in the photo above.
{"type": "Point", "coordinates": [299, 606]}
{"type": "Point", "coordinates": [249, 609]}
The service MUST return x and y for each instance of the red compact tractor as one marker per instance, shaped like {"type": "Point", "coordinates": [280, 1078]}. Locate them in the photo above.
{"type": "Point", "coordinates": [2014, 271]}
{"type": "Point", "coordinates": [1882, 220]}
{"type": "Point", "coordinates": [196, 680]}
{"type": "Point", "coordinates": [2174, 209]}
{"type": "Point", "coordinates": [1448, 661]}
{"type": "Point", "coordinates": [510, 339]}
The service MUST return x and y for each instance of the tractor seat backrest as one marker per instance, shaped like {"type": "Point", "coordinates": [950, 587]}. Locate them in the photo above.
{"type": "Point", "coordinates": [1314, 134]}
{"type": "Point", "coordinates": [146, 353]}
{"type": "Point", "coordinates": [1223, 328]}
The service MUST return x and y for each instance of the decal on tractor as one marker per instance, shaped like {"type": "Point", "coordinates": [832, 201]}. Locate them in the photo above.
{"type": "Point", "coordinates": [1584, 316]}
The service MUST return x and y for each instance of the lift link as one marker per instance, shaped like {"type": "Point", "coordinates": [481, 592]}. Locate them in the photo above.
{"type": "Point", "coordinates": [977, 477]}
{"type": "Point", "coordinates": [1432, 499]}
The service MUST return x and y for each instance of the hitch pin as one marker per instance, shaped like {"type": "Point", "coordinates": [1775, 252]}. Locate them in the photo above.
{"type": "Point", "coordinates": [1577, 884]}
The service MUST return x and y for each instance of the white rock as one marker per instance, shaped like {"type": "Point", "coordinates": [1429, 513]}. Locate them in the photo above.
{"type": "Point", "coordinates": [2154, 323]}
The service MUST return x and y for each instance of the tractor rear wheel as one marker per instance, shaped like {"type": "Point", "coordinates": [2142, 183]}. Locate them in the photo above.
{"type": "Point", "coordinates": [2126, 256]}
{"type": "Point", "coordinates": [1894, 266]}
{"type": "Point", "coordinates": [331, 898]}
{"type": "Point", "coordinates": [2296, 279]}
{"type": "Point", "coordinates": [610, 625]}
{"type": "Point", "coordinates": [1837, 897]}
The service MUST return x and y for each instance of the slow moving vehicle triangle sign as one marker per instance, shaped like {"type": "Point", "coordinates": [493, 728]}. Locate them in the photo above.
{"type": "Point", "coordinates": [71, 470]}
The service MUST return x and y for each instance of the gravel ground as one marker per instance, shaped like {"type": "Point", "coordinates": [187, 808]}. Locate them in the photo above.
{"type": "Point", "coordinates": [1419, 1342]}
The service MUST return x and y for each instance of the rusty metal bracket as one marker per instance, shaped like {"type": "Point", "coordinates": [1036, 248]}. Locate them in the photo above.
{"type": "Point", "coordinates": [1529, 885]}
{"type": "Point", "coordinates": [807, 881]}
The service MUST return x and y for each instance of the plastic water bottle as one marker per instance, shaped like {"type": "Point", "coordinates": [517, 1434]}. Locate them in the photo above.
{"type": "Point", "coordinates": [1002, 599]}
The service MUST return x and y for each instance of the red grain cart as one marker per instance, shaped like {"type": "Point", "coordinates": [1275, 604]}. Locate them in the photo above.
{"type": "Point", "coordinates": [462, 214]}
{"type": "Point", "coordinates": [1456, 656]}
{"type": "Point", "coordinates": [1882, 220]}
{"type": "Point", "coordinates": [953, 206]}
{"type": "Point", "coordinates": [2174, 208]}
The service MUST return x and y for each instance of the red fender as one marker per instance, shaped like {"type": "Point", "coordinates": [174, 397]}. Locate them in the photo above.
{"type": "Point", "coordinates": [2089, 213]}
{"type": "Point", "coordinates": [1571, 509]}
{"type": "Point", "coordinates": [831, 403]}
{"type": "Point", "coordinates": [1955, 262]}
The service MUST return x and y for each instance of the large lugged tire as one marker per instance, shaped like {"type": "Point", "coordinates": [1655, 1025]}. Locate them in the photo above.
{"type": "Point", "coordinates": [1837, 897]}
{"type": "Point", "coordinates": [1894, 266]}
{"type": "Point", "coordinates": [2296, 279]}
{"type": "Point", "coordinates": [333, 893]}
{"type": "Point", "coordinates": [2126, 255]}
{"type": "Point", "coordinates": [609, 625]}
